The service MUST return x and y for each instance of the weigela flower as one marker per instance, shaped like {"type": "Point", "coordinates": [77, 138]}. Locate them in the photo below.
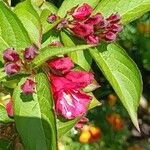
{"type": "Point", "coordinates": [82, 12]}
{"type": "Point", "coordinates": [81, 29]}
{"type": "Point", "coordinates": [62, 64]}
{"type": "Point", "coordinates": [92, 39]}
{"type": "Point", "coordinates": [52, 18]}
{"type": "Point", "coordinates": [12, 68]}
{"type": "Point", "coordinates": [80, 78]}
{"type": "Point", "coordinates": [30, 53]}
{"type": "Point", "coordinates": [94, 20]}
{"type": "Point", "coordinates": [28, 87]}
{"type": "Point", "coordinates": [9, 108]}
{"type": "Point", "coordinates": [71, 103]}
{"type": "Point", "coordinates": [109, 36]}
{"type": "Point", "coordinates": [10, 55]}
{"type": "Point", "coordinates": [115, 28]}
{"type": "Point", "coordinates": [114, 18]}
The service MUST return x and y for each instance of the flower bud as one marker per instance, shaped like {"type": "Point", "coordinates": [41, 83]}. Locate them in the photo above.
{"type": "Point", "coordinates": [82, 30]}
{"type": "Point", "coordinates": [62, 64]}
{"type": "Point", "coordinates": [52, 18]}
{"type": "Point", "coordinates": [114, 18]}
{"type": "Point", "coordinates": [10, 55]}
{"type": "Point", "coordinates": [109, 36]}
{"type": "Point", "coordinates": [12, 68]}
{"type": "Point", "coordinates": [82, 12]}
{"type": "Point", "coordinates": [9, 108]}
{"type": "Point", "coordinates": [92, 39]}
{"type": "Point", "coordinates": [62, 24]}
{"type": "Point", "coordinates": [94, 20]}
{"type": "Point", "coordinates": [30, 53]}
{"type": "Point", "coordinates": [28, 87]}
{"type": "Point", "coordinates": [115, 28]}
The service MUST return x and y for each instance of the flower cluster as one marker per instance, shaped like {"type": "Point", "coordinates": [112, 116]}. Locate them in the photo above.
{"type": "Point", "coordinates": [67, 85]}
{"type": "Point", "coordinates": [92, 28]}
{"type": "Point", "coordinates": [14, 64]}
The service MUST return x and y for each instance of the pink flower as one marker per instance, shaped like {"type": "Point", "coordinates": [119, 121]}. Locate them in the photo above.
{"type": "Point", "coordinates": [114, 18]}
{"type": "Point", "coordinates": [82, 12]}
{"type": "Point", "coordinates": [12, 68]}
{"type": "Point", "coordinates": [115, 28]}
{"type": "Point", "coordinates": [30, 53]}
{"type": "Point", "coordinates": [71, 103]}
{"type": "Point", "coordinates": [61, 83]}
{"type": "Point", "coordinates": [62, 24]}
{"type": "Point", "coordinates": [102, 24]}
{"type": "Point", "coordinates": [9, 108]}
{"type": "Point", "coordinates": [80, 78]}
{"type": "Point", "coordinates": [52, 18]}
{"type": "Point", "coordinates": [109, 36]}
{"type": "Point", "coordinates": [82, 30]}
{"type": "Point", "coordinates": [94, 20]}
{"type": "Point", "coordinates": [10, 55]}
{"type": "Point", "coordinates": [92, 39]}
{"type": "Point", "coordinates": [28, 87]}
{"type": "Point", "coordinates": [62, 64]}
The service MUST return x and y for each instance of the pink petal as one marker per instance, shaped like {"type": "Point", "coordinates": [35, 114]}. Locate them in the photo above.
{"type": "Point", "coordinates": [9, 108]}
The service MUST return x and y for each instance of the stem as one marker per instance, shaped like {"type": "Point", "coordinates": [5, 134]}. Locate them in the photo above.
{"type": "Point", "coordinates": [2, 74]}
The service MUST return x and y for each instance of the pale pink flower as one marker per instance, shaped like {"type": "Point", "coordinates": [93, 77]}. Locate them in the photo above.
{"type": "Point", "coordinates": [9, 108]}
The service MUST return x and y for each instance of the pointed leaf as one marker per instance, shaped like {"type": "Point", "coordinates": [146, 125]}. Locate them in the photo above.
{"type": "Point", "coordinates": [34, 116]}
{"type": "Point", "coordinates": [12, 32]}
{"type": "Point", "coordinates": [48, 52]}
{"type": "Point", "coordinates": [129, 9]}
{"type": "Point", "coordinates": [123, 75]}
{"type": "Point", "coordinates": [31, 21]}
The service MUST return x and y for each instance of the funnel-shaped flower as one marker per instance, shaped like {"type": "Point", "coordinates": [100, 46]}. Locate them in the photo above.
{"type": "Point", "coordinates": [71, 103]}
{"type": "Point", "coordinates": [62, 64]}
{"type": "Point", "coordinates": [82, 12]}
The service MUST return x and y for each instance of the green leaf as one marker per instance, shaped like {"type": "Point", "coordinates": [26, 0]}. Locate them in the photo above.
{"type": "Point", "coordinates": [72, 3]}
{"type": "Point", "coordinates": [123, 75]}
{"type": "Point", "coordinates": [12, 32]}
{"type": "Point", "coordinates": [64, 126]}
{"type": "Point", "coordinates": [31, 21]}
{"type": "Point", "coordinates": [47, 9]}
{"type": "Point", "coordinates": [34, 116]}
{"type": "Point", "coordinates": [48, 52]}
{"type": "Point", "coordinates": [78, 57]}
{"type": "Point", "coordinates": [129, 9]}
{"type": "Point", "coordinates": [5, 145]}
{"type": "Point", "coordinates": [3, 115]}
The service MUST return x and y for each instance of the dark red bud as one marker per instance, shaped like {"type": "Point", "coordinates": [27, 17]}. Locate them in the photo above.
{"type": "Point", "coordinates": [109, 36]}
{"type": "Point", "coordinates": [10, 55]}
{"type": "Point", "coordinates": [12, 68]}
{"type": "Point", "coordinates": [28, 87]}
{"type": "Point", "coordinates": [30, 53]}
{"type": "Point", "coordinates": [52, 18]}
{"type": "Point", "coordinates": [114, 18]}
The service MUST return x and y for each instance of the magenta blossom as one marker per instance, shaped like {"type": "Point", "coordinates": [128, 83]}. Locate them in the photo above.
{"type": "Point", "coordinates": [71, 103]}
{"type": "Point", "coordinates": [12, 68]}
{"type": "Point", "coordinates": [109, 36]}
{"type": "Point", "coordinates": [114, 18]}
{"type": "Point", "coordinates": [62, 64]}
{"type": "Point", "coordinates": [94, 20]}
{"type": "Point", "coordinates": [82, 30]}
{"type": "Point", "coordinates": [10, 55]}
{"type": "Point", "coordinates": [82, 12]}
{"type": "Point", "coordinates": [52, 18]}
{"type": "Point", "coordinates": [80, 78]}
{"type": "Point", "coordinates": [92, 39]}
{"type": "Point", "coordinates": [28, 87]}
{"type": "Point", "coordinates": [9, 108]}
{"type": "Point", "coordinates": [30, 52]}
